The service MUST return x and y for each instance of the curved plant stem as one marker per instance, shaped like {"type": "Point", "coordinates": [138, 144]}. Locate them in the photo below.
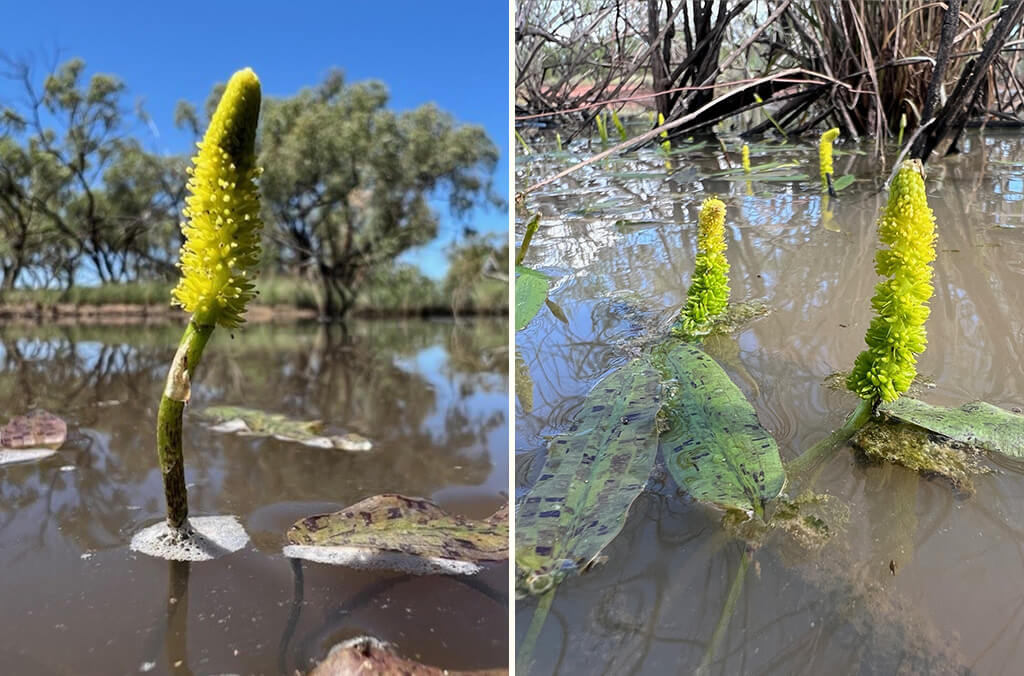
{"type": "Point", "coordinates": [524, 655]}
{"type": "Point", "coordinates": [820, 450]}
{"type": "Point", "coordinates": [168, 423]}
{"type": "Point", "coordinates": [735, 589]}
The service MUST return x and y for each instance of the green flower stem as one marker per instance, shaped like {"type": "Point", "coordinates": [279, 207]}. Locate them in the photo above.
{"type": "Point", "coordinates": [820, 450]}
{"type": "Point", "coordinates": [168, 422]}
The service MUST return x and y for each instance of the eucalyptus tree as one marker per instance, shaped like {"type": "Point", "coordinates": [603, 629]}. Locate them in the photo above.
{"type": "Point", "coordinates": [350, 184]}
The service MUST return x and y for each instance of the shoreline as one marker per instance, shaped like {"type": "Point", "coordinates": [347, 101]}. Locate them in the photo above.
{"type": "Point", "coordinates": [129, 313]}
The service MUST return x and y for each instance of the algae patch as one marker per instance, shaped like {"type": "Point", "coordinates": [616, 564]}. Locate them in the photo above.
{"type": "Point", "coordinates": [920, 451]}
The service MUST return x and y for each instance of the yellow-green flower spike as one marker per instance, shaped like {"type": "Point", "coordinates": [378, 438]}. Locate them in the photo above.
{"type": "Point", "coordinates": [709, 291]}
{"type": "Point", "coordinates": [223, 226]}
{"type": "Point", "coordinates": [666, 144]}
{"type": "Point", "coordinates": [886, 369]}
{"type": "Point", "coordinates": [825, 154]}
{"type": "Point", "coordinates": [745, 158]}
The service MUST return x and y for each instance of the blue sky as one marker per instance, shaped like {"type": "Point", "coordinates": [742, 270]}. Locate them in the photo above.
{"type": "Point", "coordinates": [454, 53]}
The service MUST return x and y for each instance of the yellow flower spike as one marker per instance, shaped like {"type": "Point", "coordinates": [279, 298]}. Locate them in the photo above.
{"type": "Point", "coordinates": [222, 246]}
{"type": "Point", "coordinates": [708, 294]}
{"type": "Point", "coordinates": [825, 154]}
{"type": "Point", "coordinates": [745, 158]}
{"type": "Point", "coordinates": [223, 227]}
{"type": "Point", "coordinates": [886, 369]}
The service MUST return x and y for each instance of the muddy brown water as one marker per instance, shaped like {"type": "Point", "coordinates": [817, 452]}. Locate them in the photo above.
{"type": "Point", "coordinates": [618, 238]}
{"type": "Point", "coordinates": [431, 395]}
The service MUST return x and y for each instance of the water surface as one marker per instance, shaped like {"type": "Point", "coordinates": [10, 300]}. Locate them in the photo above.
{"type": "Point", "coordinates": [618, 238]}
{"type": "Point", "coordinates": [431, 395]}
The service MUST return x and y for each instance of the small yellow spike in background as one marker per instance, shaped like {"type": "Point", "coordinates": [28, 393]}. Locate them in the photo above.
{"type": "Point", "coordinates": [825, 155]}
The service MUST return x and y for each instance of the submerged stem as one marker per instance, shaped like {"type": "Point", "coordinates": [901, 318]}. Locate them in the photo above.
{"type": "Point", "coordinates": [168, 423]}
{"type": "Point", "coordinates": [525, 653]}
{"type": "Point", "coordinates": [818, 451]}
{"type": "Point", "coordinates": [727, 610]}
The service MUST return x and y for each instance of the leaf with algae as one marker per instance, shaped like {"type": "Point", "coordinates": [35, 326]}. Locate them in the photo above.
{"type": "Point", "coordinates": [916, 449]}
{"type": "Point", "coordinates": [591, 476]}
{"type": "Point", "coordinates": [395, 532]}
{"type": "Point", "coordinates": [714, 445]}
{"type": "Point", "coordinates": [976, 424]}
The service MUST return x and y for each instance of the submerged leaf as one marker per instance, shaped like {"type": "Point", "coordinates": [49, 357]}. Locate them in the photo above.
{"type": "Point", "coordinates": [590, 478]}
{"type": "Point", "coordinates": [531, 292]}
{"type": "Point", "coordinates": [714, 446]}
{"type": "Point", "coordinates": [395, 532]}
{"type": "Point", "coordinates": [977, 424]}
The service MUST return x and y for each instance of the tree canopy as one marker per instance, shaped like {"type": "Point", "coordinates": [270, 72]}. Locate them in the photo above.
{"type": "Point", "coordinates": [348, 185]}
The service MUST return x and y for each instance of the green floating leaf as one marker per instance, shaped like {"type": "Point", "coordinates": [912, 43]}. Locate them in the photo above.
{"type": "Point", "coordinates": [254, 422]}
{"type": "Point", "coordinates": [978, 424]}
{"type": "Point", "coordinates": [714, 446]}
{"type": "Point", "coordinates": [590, 478]}
{"type": "Point", "coordinates": [843, 181]}
{"type": "Point", "coordinates": [531, 292]}
{"type": "Point", "coordinates": [396, 532]}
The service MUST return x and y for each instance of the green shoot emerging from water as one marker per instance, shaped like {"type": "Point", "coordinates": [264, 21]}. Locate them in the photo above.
{"type": "Point", "coordinates": [619, 126]}
{"type": "Point", "coordinates": [709, 291]}
{"type": "Point", "coordinates": [218, 261]}
{"type": "Point", "coordinates": [886, 369]}
{"type": "Point", "coordinates": [602, 128]}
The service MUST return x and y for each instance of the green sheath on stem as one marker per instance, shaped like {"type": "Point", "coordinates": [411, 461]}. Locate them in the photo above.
{"type": "Point", "coordinates": [168, 422]}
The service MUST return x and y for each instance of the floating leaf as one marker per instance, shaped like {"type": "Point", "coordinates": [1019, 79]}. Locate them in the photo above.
{"type": "Point", "coordinates": [714, 445]}
{"type": "Point", "coordinates": [978, 424]}
{"type": "Point", "coordinates": [394, 532]}
{"type": "Point", "coordinates": [843, 181]}
{"type": "Point", "coordinates": [591, 476]}
{"type": "Point", "coordinates": [531, 292]}
{"type": "Point", "coordinates": [37, 430]}
{"type": "Point", "coordinates": [253, 422]}
{"type": "Point", "coordinates": [368, 655]}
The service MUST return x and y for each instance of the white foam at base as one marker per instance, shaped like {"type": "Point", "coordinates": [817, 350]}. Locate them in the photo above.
{"type": "Point", "coordinates": [203, 538]}
{"type": "Point", "coordinates": [370, 559]}
{"type": "Point", "coordinates": [9, 456]}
